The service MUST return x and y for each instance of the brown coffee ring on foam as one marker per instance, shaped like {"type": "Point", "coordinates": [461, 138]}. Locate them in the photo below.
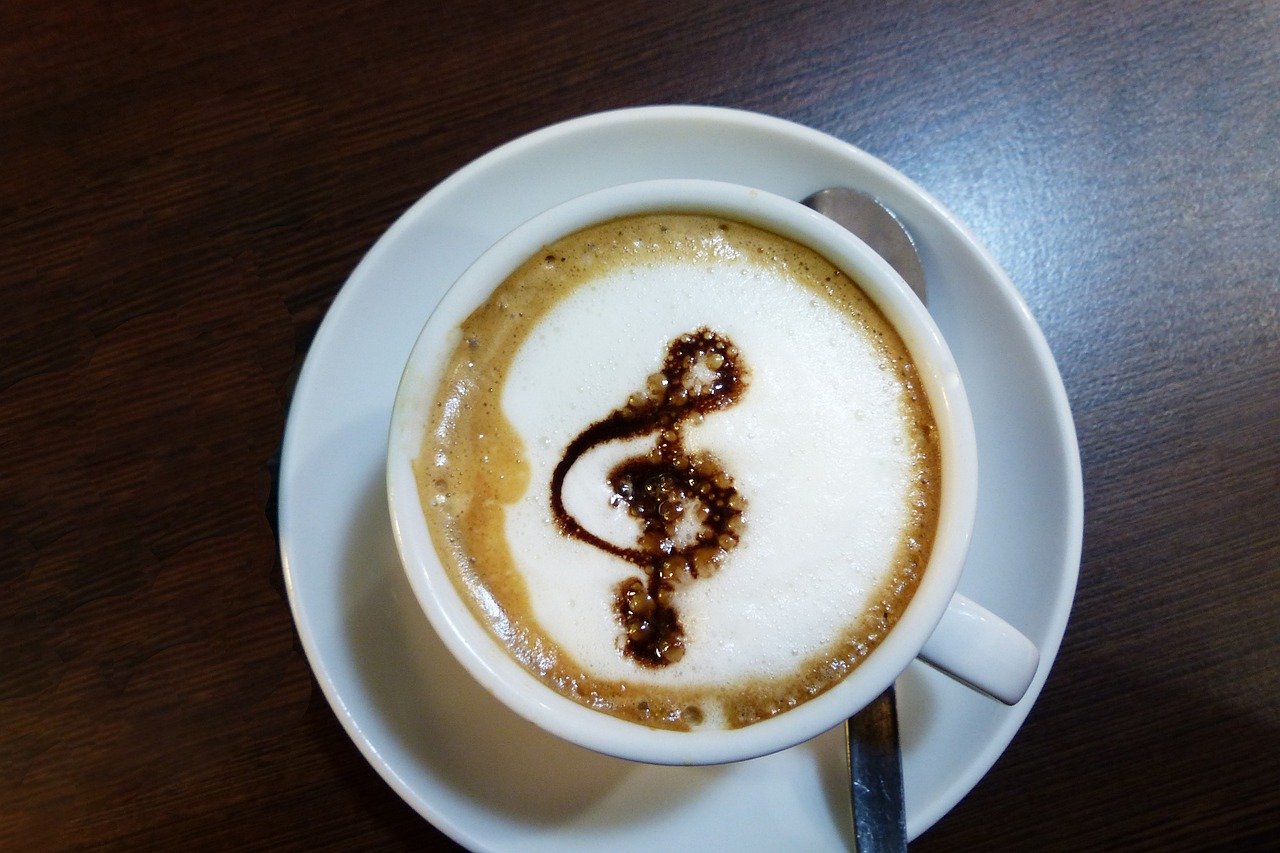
{"type": "Point", "coordinates": [466, 527]}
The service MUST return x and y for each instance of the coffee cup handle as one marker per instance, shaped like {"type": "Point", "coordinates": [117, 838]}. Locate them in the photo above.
{"type": "Point", "coordinates": [981, 650]}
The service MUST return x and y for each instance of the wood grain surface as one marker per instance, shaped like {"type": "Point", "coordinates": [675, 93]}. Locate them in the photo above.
{"type": "Point", "coordinates": [185, 186]}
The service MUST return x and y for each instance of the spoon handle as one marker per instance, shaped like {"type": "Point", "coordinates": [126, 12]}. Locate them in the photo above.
{"type": "Point", "coordinates": [875, 776]}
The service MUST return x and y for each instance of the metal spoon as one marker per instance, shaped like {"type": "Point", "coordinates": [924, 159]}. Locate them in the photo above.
{"type": "Point", "coordinates": [875, 760]}
{"type": "Point", "coordinates": [876, 226]}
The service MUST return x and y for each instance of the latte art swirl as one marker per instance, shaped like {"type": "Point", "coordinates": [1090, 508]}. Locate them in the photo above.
{"type": "Point", "coordinates": [685, 502]}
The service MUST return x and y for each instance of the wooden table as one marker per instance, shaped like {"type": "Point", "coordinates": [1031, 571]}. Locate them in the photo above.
{"type": "Point", "coordinates": [184, 188]}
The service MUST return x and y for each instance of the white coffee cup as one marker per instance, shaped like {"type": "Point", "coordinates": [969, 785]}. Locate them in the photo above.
{"type": "Point", "coordinates": [939, 626]}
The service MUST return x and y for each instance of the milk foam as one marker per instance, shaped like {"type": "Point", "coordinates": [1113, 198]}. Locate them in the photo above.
{"type": "Point", "coordinates": [817, 445]}
{"type": "Point", "coordinates": [829, 442]}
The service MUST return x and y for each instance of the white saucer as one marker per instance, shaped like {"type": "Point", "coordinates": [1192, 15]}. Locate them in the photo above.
{"type": "Point", "coordinates": [486, 777]}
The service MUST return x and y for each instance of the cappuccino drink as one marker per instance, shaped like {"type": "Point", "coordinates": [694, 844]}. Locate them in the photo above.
{"type": "Point", "coordinates": [683, 469]}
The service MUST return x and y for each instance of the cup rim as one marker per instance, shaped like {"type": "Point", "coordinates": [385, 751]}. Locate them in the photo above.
{"type": "Point", "coordinates": [489, 662]}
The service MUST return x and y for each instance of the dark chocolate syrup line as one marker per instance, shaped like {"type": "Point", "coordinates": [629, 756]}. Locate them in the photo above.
{"type": "Point", "coordinates": [689, 511]}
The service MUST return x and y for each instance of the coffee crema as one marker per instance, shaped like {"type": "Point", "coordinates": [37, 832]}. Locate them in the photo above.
{"type": "Point", "coordinates": [683, 469]}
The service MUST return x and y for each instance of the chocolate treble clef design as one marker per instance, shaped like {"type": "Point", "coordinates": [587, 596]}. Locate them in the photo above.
{"type": "Point", "coordinates": [689, 511]}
